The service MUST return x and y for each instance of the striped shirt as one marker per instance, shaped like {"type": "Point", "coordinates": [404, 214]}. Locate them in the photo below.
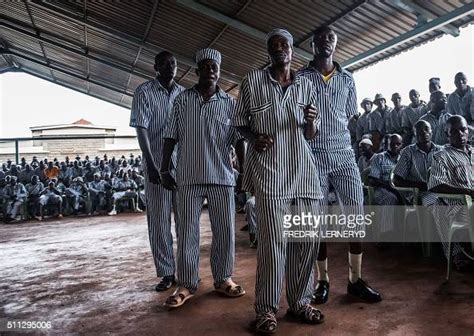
{"type": "Point", "coordinates": [151, 106]}
{"type": "Point", "coordinates": [468, 107]}
{"type": "Point", "coordinates": [352, 127]}
{"type": "Point", "coordinates": [204, 136]}
{"type": "Point", "coordinates": [414, 163]}
{"type": "Point", "coordinates": [286, 170]}
{"type": "Point", "coordinates": [453, 167]}
{"type": "Point", "coordinates": [438, 126]}
{"type": "Point", "coordinates": [382, 165]}
{"type": "Point", "coordinates": [377, 120]}
{"type": "Point", "coordinates": [412, 114]}
{"type": "Point", "coordinates": [337, 103]}
{"type": "Point", "coordinates": [393, 120]}
{"type": "Point", "coordinates": [362, 126]}
{"type": "Point", "coordinates": [454, 104]}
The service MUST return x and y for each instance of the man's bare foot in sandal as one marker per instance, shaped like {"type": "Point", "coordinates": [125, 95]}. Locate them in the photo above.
{"type": "Point", "coordinates": [178, 298]}
{"type": "Point", "coordinates": [230, 289]}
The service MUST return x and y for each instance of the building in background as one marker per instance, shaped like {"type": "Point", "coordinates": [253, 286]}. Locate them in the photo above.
{"type": "Point", "coordinates": [43, 146]}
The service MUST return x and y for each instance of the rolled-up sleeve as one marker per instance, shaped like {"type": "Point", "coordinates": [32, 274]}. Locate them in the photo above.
{"type": "Point", "coordinates": [140, 114]}
{"type": "Point", "coordinates": [240, 116]}
{"type": "Point", "coordinates": [439, 172]}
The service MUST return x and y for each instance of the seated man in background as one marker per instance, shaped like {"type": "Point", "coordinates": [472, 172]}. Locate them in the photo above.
{"type": "Point", "coordinates": [16, 195]}
{"type": "Point", "coordinates": [50, 196]}
{"type": "Point", "coordinates": [393, 120]}
{"type": "Point", "coordinates": [124, 188]}
{"type": "Point", "coordinates": [366, 154]}
{"type": "Point", "coordinates": [411, 169]}
{"type": "Point", "coordinates": [411, 114]}
{"type": "Point", "coordinates": [454, 104]}
{"type": "Point", "coordinates": [251, 218]}
{"type": "Point", "coordinates": [34, 189]}
{"type": "Point", "coordinates": [97, 193]}
{"type": "Point", "coordinates": [379, 177]}
{"type": "Point", "coordinates": [140, 182]}
{"type": "Point", "coordinates": [76, 193]}
{"type": "Point", "coordinates": [437, 117]}
{"type": "Point", "coordinates": [452, 172]}
{"type": "Point", "coordinates": [377, 121]}
{"type": "Point", "coordinates": [52, 171]}
{"type": "Point", "coordinates": [26, 174]}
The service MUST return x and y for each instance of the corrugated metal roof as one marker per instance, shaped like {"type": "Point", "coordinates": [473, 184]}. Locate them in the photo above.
{"type": "Point", "coordinates": [107, 48]}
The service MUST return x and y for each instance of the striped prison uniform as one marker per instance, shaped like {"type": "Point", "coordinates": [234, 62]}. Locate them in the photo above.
{"type": "Point", "coordinates": [382, 165]}
{"type": "Point", "coordinates": [362, 126]}
{"type": "Point", "coordinates": [413, 165]}
{"type": "Point", "coordinates": [410, 116]}
{"type": "Point", "coordinates": [453, 167]}
{"type": "Point", "coordinates": [454, 103]}
{"type": "Point", "coordinates": [50, 196]}
{"type": "Point", "coordinates": [393, 121]}
{"type": "Point", "coordinates": [283, 174]}
{"type": "Point", "coordinates": [151, 106]}
{"type": "Point", "coordinates": [467, 106]}
{"type": "Point", "coordinates": [438, 126]}
{"type": "Point", "coordinates": [336, 163]}
{"type": "Point", "coordinates": [377, 121]}
{"type": "Point", "coordinates": [19, 192]}
{"type": "Point", "coordinates": [204, 137]}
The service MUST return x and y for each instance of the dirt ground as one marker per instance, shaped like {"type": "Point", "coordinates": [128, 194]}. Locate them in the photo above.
{"type": "Point", "coordinates": [95, 275]}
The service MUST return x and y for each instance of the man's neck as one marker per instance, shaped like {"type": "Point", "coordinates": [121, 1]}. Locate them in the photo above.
{"type": "Point", "coordinates": [436, 113]}
{"type": "Point", "coordinates": [323, 65]}
{"type": "Point", "coordinates": [166, 83]}
{"type": "Point", "coordinates": [207, 89]}
{"type": "Point", "coordinates": [461, 93]}
{"type": "Point", "coordinates": [281, 73]}
{"type": "Point", "coordinates": [425, 146]}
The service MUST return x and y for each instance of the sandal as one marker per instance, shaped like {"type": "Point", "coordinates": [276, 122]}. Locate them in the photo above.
{"type": "Point", "coordinates": [307, 314]}
{"type": "Point", "coordinates": [231, 290]}
{"type": "Point", "coordinates": [178, 298]}
{"type": "Point", "coordinates": [265, 323]}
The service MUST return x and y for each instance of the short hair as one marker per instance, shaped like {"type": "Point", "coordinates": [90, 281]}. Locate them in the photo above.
{"type": "Point", "coordinates": [455, 119]}
{"type": "Point", "coordinates": [321, 29]}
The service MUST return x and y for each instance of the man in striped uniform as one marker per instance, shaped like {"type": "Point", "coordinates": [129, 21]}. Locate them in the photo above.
{"type": "Point", "coordinates": [411, 169]}
{"type": "Point", "coordinates": [276, 113]}
{"type": "Point", "coordinates": [411, 114]}
{"type": "Point", "coordinates": [452, 172]}
{"type": "Point", "coordinates": [363, 121]}
{"type": "Point", "coordinates": [393, 121]}
{"type": "Point", "coordinates": [437, 117]}
{"type": "Point", "coordinates": [151, 104]}
{"type": "Point", "coordinates": [337, 102]}
{"type": "Point", "coordinates": [377, 121]}
{"type": "Point", "coordinates": [454, 104]}
{"type": "Point", "coordinates": [381, 168]}
{"type": "Point", "coordinates": [200, 125]}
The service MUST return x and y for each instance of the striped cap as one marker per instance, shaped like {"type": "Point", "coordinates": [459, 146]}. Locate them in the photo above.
{"type": "Point", "coordinates": [282, 32]}
{"type": "Point", "coordinates": [208, 53]}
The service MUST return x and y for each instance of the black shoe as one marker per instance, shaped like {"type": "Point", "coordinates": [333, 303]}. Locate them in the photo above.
{"type": "Point", "coordinates": [165, 283]}
{"type": "Point", "coordinates": [321, 292]}
{"type": "Point", "coordinates": [362, 290]}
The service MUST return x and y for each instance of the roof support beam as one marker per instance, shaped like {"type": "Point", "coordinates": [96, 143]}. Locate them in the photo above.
{"type": "Point", "coordinates": [119, 35]}
{"type": "Point", "coordinates": [412, 7]}
{"type": "Point", "coordinates": [435, 24]}
{"type": "Point", "coordinates": [32, 59]}
{"type": "Point", "coordinates": [231, 22]}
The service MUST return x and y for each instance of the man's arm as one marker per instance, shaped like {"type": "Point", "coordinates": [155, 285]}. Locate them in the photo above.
{"type": "Point", "coordinates": [401, 182]}
{"type": "Point", "coordinates": [448, 189]}
{"type": "Point", "coordinates": [144, 142]}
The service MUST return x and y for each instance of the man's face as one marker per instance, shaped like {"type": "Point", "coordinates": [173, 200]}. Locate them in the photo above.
{"type": "Point", "coordinates": [50, 164]}
{"type": "Point", "coordinates": [125, 177]}
{"type": "Point", "coordinates": [438, 101]}
{"type": "Point", "coordinates": [380, 103]}
{"type": "Point", "coordinates": [279, 50]}
{"type": "Point", "coordinates": [96, 178]}
{"type": "Point", "coordinates": [365, 149]}
{"type": "Point", "coordinates": [460, 81]}
{"type": "Point", "coordinates": [209, 71]}
{"type": "Point", "coordinates": [27, 167]}
{"type": "Point", "coordinates": [12, 181]}
{"type": "Point", "coordinates": [324, 43]}
{"type": "Point", "coordinates": [423, 132]}
{"type": "Point", "coordinates": [396, 100]}
{"type": "Point", "coordinates": [458, 133]}
{"type": "Point", "coordinates": [395, 145]}
{"type": "Point", "coordinates": [434, 85]}
{"type": "Point", "coordinates": [367, 106]}
{"type": "Point", "coordinates": [34, 179]}
{"type": "Point", "coordinates": [167, 67]}
{"type": "Point", "coordinates": [415, 97]}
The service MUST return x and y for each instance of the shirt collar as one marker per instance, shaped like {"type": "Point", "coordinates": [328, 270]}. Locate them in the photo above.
{"type": "Point", "coordinates": [174, 85]}
{"type": "Point", "coordinates": [296, 78]}
{"type": "Point", "coordinates": [310, 66]}
{"type": "Point", "coordinates": [220, 94]}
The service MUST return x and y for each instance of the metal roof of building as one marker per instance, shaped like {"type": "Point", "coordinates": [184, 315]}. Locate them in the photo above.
{"type": "Point", "coordinates": [106, 48]}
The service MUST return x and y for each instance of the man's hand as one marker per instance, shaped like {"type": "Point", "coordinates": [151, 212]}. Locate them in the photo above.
{"type": "Point", "coordinates": [310, 113]}
{"type": "Point", "coordinates": [263, 142]}
{"type": "Point", "coordinates": [153, 174]}
{"type": "Point", "coordinates": [167, 181]}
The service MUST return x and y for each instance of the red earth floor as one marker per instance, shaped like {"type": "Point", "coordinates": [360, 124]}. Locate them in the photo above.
{"type": "Point", "coordinates": [94, 275]}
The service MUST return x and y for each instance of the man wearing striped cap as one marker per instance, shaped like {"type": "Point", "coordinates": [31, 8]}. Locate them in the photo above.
{"type": "Point", "coordinates": [151, 105]}
{"type": "Point", "coordinates": [276, 114]}
{"type": "Point", "coordinates": [337, 102]}
{"type": "Point", "coordinates": [200, 125]}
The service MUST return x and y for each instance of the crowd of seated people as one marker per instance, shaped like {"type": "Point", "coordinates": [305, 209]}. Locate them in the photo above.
{"type": "Point", "coordinates": [70, 187]}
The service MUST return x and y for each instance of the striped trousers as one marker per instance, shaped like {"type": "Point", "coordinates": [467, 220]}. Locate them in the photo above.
{"type": "Point", "coordinates": [160, 203]}
{"type": "Point", "coordinates": [277, 257]}
{"type": "Point", "coordinates": [221, 206]}
{"type": "Point", "coordinates": [386, 215]}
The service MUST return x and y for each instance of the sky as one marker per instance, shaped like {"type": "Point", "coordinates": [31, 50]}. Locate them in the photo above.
{"type": "Point", "coordinates": [27, 101]}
